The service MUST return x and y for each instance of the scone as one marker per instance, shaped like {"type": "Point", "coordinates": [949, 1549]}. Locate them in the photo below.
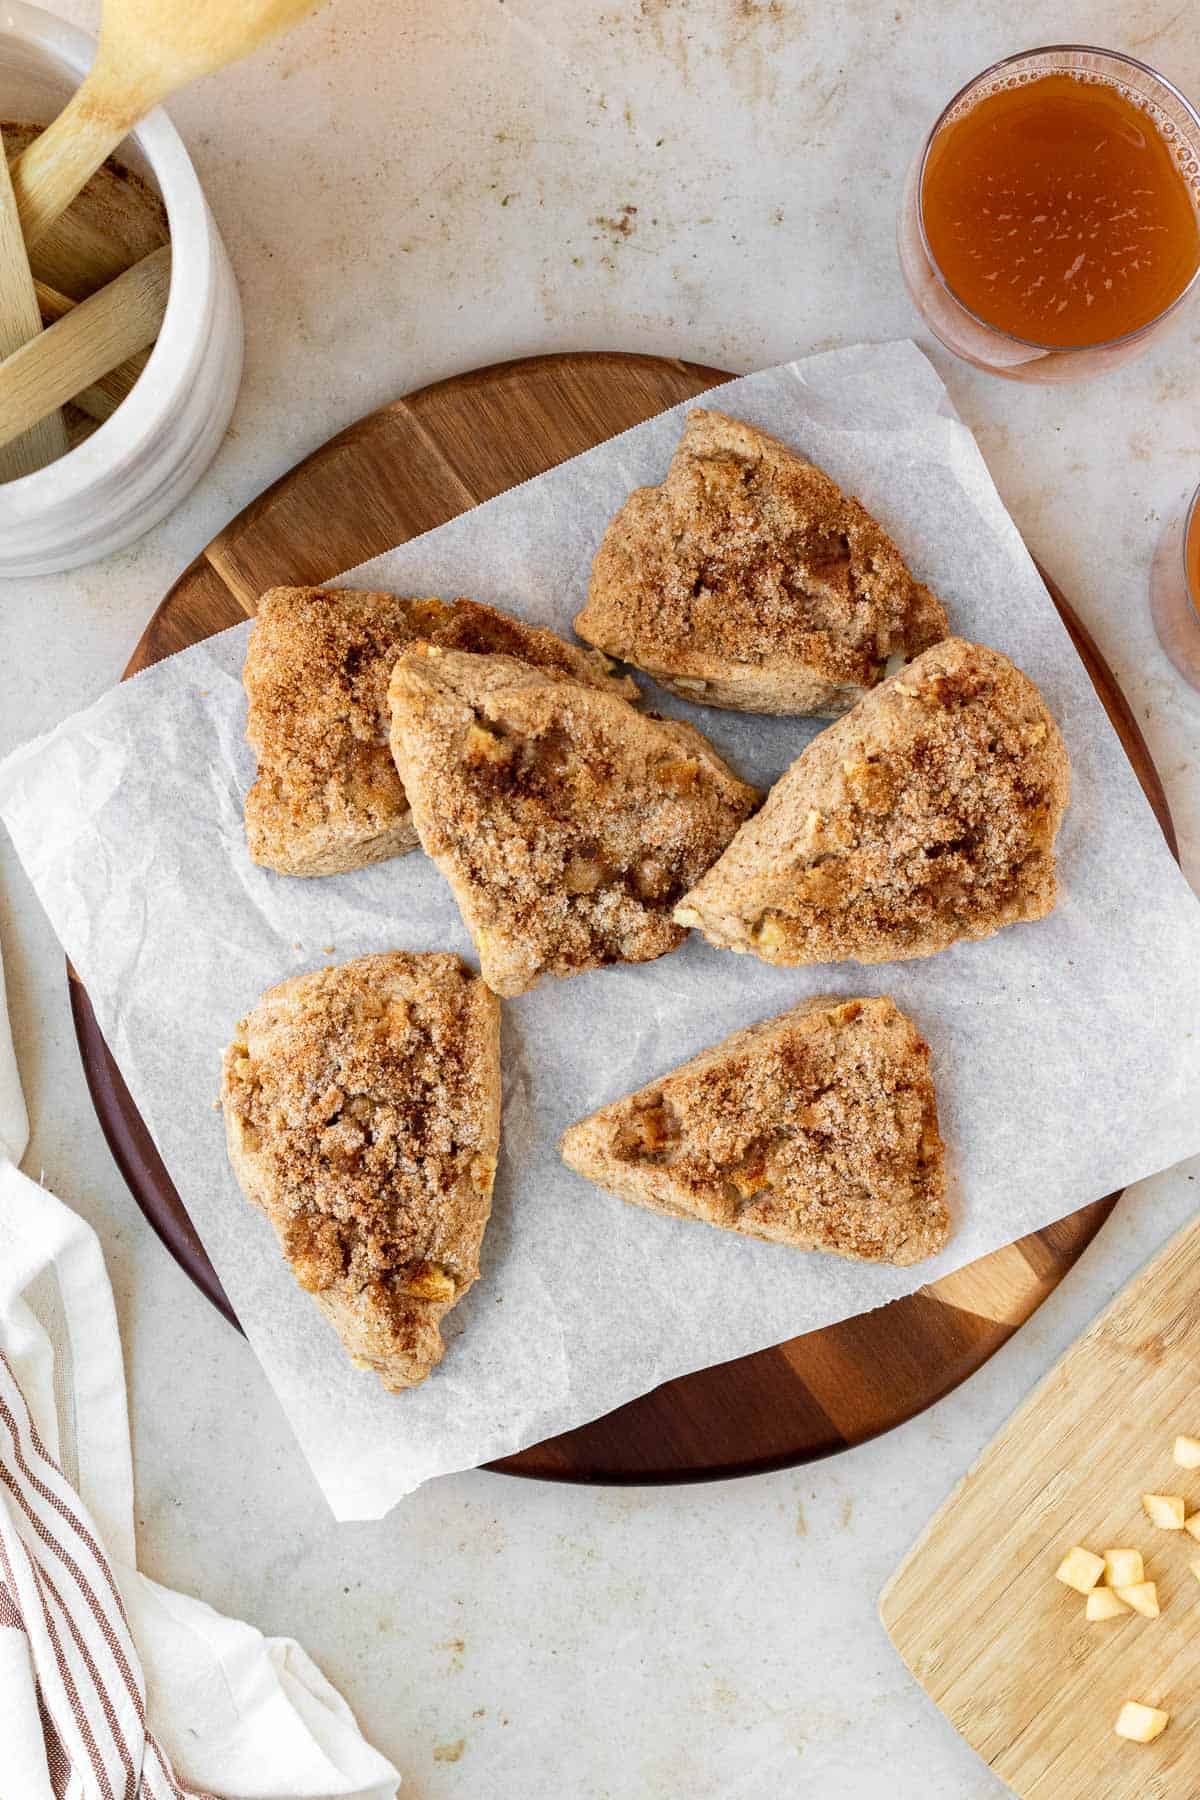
{"type": "Point", "coordinates": [567, 823]}
{"type": "Point", "coordinates": [817, 1129]}
{"type": "Point", "coordinates": [749, 580]}
{"type": "Point", "coordinates": [927, 815]}
{"type": "Point", "coordinates": [327, 797]}
{"type": "Point", "coordinates": [362, 1113]}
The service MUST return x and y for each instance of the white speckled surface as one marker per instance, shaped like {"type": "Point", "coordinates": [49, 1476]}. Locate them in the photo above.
{"type": "Point", "coordinates": [407, 188]}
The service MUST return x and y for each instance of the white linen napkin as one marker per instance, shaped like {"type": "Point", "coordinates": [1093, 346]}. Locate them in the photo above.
{"type": "Point", "coordinates": [109, 1683]}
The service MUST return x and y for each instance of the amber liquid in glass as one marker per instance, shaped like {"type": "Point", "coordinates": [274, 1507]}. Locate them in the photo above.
{"type": "Point", "coordinates": [1191, 555]}
{"type": "Point", "coordinates": [1055, 212]}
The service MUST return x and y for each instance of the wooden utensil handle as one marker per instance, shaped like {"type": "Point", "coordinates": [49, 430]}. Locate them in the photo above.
{"type": "Point", "coordinates": [58, 164]}
{"type": "Point", "coordinates": [93, 338]}
{"type": "Point", "coordinates": [20, 321]}
{"type": "Point", "coordinates": [76, 257]}
{"type": "Point", "coordinates": [103, 397]}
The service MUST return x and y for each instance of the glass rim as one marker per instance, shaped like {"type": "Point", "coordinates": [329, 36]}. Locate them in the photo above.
{"type": "Point", "coordinates": [1189, 519]}
{"type": "Point", "coordinates": [1010, 337]}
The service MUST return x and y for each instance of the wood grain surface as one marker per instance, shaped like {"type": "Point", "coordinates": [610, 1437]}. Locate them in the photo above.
{"type": "Point", "coordinates": [76, 257]}
{"type": "Point", "coordinates": [89, 342]}
{"type": "Point", "coordinates": [975, 1611]}
{"type": "Point", "coordinates": [20, 323]}
{"type": "Point", "coordinates": [401, 471]}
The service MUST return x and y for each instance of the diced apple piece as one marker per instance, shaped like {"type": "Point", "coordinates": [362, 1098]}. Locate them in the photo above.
{"type": "Point", "coordinates": [1167, 1511]}
{"type": "Point", "coordinates": [1103, 1603]}
{"type": "Point", "coordinates": [1193, 1525]}
{"type": "Point", "coordinates": [1140, 1724]}
{"type": "Point", "coordinates": [1143, 1597]}
{"type": "Point", "coordinates": [1187, 1452]}
{"type": "Point", "coordinates": [1123, 1568]}
{"type": "Point", "coordinates": [1081, 1569]}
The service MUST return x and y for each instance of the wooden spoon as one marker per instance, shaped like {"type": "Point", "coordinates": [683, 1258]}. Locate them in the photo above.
{"type": "Point", "coordinates": [20, 320]}
{"type": "Point", "coordinates": [101, 398]}
{"type": "Point", "coordinates": [148, 49]}
{"type": "Point", "coordinates": [93, 337]}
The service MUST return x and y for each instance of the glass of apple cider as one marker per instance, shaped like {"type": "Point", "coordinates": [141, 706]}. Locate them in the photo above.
{"type": "Point", "coordinates": [1050, 227]}
{"type": "Point", "coordinates": [1175, 590]}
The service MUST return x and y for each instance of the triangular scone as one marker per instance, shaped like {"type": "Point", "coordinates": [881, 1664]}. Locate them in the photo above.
{"type": "Point", "coordinates": [327, 797]}
{"type": "Point", "coordinates": [362, 1111]}
{"type": "Point", "coordinates": [817, 1129]}
{"type": "Point", "coordinates": [749, 580]}
{"type": "Point", "coordinates": [567, 824]}
{"type": "Point", "coordinates": [927, 815]}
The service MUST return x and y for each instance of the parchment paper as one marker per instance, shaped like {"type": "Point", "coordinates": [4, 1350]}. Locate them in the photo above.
{"type": "Point", "coordinates": [1065, 1052]}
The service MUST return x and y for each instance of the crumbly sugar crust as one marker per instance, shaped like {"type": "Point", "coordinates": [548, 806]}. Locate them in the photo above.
{"type": "Point", "coordinates": [748, 580]}
{"type": "Point", "coordinates": [362, 1112]}
{"type": "Point", "coordinates": [566, 823]}
{"type": "Point", "coordinates": [327, 797]}
{"type": "Point", "coordinates": [926, 816]}
{"type": "Point", "coordinates": [817, 1129]}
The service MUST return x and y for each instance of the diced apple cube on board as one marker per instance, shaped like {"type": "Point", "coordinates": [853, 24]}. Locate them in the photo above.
{"type": "Point", "coordinates": [1103, 1603]}
{"type": "Point", "coordinates": [1193, 1525]}
{"type": "Point", "coordinates": [1143, 1597]}
{"type": "Point", "coordinates": [1140, 1724]}
{"type": "Point", "coordinates": [1167, 1511]}
{"type": "Point", "coordinates": [1081, 1569]}
{"type": "Point", "coordinates": [1123, 1568]}
{"type": "Point", "coordinates": [1187, 1452]}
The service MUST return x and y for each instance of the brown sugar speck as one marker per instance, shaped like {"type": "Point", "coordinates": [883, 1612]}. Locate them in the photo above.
{"type": "Point", "coordinates": [622, 226]}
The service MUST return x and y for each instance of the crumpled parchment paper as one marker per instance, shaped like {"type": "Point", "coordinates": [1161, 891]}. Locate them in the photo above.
{"type": "Point", "coordinates": [1066, 1053]}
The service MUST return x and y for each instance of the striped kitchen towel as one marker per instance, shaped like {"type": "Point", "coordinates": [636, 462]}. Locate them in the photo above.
{"type": "Point", "coordinates": [73, 1670]}
{"type": "Point", "coordinates": [111, 1686]}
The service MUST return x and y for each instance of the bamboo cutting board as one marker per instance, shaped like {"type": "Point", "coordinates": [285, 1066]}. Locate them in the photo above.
{"type": "Point", "coordinates": [407, 468]}
{"type": "Point", "coordinates": [974, 1609]}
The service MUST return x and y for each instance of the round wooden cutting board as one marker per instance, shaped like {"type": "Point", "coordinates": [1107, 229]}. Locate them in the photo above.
{"type": "Point", "coordinates": [397, 473]}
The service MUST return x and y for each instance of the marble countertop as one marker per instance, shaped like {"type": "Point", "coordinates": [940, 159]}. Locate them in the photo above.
{"type": "Point", "coordinates": [413, 187]}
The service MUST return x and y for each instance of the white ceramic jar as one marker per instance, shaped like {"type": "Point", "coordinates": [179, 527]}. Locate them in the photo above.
{"type": "Point", "coordinates": [140, 462]}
